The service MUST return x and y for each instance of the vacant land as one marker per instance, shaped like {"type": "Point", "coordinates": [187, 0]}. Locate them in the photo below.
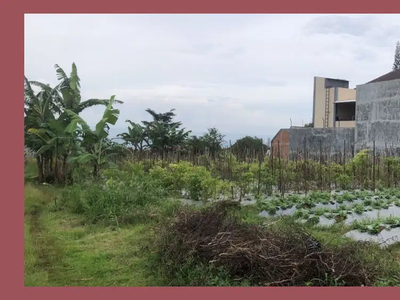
{"type": "Point", "coordinates": [166, 208]}
{"type": "Point", "coordinates": [131, 226]}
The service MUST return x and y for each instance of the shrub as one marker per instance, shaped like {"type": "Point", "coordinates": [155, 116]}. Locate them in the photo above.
{"type": "Point", "coordinates": [344, 181]}
{"type": "Point", "coordinates": [277, 255]}
{"type": "Point", "coordinates": [114, 202]}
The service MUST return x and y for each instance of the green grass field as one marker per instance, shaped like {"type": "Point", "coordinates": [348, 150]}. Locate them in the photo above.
{"type": "Point", "coordinates": [61, 251]}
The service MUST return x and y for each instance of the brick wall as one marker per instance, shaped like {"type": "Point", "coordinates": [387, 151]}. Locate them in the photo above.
{"type": "Point", "coordinates": [280, 144]}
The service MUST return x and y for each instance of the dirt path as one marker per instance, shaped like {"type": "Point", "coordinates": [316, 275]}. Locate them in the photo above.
{"type": "Point", "coordinates": [48, 251]}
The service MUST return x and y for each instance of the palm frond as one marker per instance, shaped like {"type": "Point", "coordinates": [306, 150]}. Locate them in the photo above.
{"type": "Point", "coordinates": [61, 75]}
{"type": "Point", "coordinates": [110, 116]}
{"type": "Point", "coordinates": [43, 149]}
{"type": "Point", "coordinates": [75, 120]}
{"type": "Point", "coordinates": [89, 103]}
{"type": "Point", "coordinates": [74, 80]}
{"type": "Point", "coordinates": [45, 87]}
{"type": "Point", "coordinates": [43, 134]}
{"type": "Point", "coordinates": [84, 158]}
{"type": "Point", "coordinates": [28, 91]}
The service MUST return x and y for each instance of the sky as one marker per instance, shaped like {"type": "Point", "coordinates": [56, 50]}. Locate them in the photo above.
{"type": "Point", "coordinates": [247, 74]}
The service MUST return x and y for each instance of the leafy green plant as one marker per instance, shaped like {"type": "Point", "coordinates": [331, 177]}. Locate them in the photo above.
{"type": "Point", "coordinates": [116, 202]}
{"type": "Point", "coordinates": [344, 181]}
{"type": "Point", "coordinates": [358, 209]}
{"type": "Point", "coordinates": [314, 220]}
{"type": "Point", "coordinates": [96, 139]}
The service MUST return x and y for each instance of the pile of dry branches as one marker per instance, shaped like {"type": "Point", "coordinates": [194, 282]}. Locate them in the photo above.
{"type": "Point", "coordinates": [274, 255]}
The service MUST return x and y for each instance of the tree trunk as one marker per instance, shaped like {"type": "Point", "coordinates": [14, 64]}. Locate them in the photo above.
{"type": "Point", "coordinates": [57, 172]}
{"type": "Point", "coordinates": [64, 167]}
{"type": "Point", "coordinates": [51, 164]}
{"type": "Point", "coordinates": [95, 172]}
{"type": "Point", "coordinates": [45, 163]}
{"type": "Point", "coordinates": [40, 168]}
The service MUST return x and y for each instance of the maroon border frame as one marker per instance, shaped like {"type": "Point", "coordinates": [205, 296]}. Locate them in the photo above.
{"type": "Point", "coordinates": [11, 74]}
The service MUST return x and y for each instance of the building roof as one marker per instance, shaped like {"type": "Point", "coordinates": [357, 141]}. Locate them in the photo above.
{"type": "Point", "coordinates": [346, 101]}
{"type": "Point", "coordinates": [337, 79]}
{"type": "Point", "coordinates": [392, 75]}
{"type": "Point", "coordinates": [280, 130]}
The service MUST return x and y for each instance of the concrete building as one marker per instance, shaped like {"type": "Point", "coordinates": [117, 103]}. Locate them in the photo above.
{"type": "Point", "coordinates": [334, 103]}
{"type": "Point", "coordinates": [372, 114]}
{"type": "Point", "coordinates": [328, 142]}
{"type": "Point", "coordinates": [334, 106]}
{"type": "Point", "coordinates": [378, 114]}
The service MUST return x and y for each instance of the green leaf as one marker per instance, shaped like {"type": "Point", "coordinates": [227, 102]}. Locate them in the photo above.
{"type": "Point", "coordinates": [40, 133]}
{"type": "Point", "coordinates": [61, 75]}
{"type": "Point", "coordinates": [74, 78]}
{"type": "Point", "coordinates": [75, 120]}
{"type": "Point", "coordinates": [84, 158]}
{"type": "Point", "coordinates": [57, 125]}
{"type": "Point", "coordinates": [72, 160]}
{"type": "Point", "coordinates": [72, 126]}
{"type": "Point", "coordinates": [44, 149]}
{"type": "Point", "coordinates": [110, 116]}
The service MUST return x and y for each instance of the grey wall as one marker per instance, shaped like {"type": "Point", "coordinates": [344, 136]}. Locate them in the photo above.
{"type": "Point", "coordinates": [331, 139]}
{"type": "Point", "coordinates": [378, 116]}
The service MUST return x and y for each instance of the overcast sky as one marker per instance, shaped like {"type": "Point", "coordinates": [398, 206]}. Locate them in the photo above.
{"type": "Point", "coordinates": [244, 74]}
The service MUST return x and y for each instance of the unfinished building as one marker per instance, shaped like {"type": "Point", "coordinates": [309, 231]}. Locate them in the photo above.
{"type": "Point", "coordinates": [378, 114]}
{"type": "Point", "coordinates": [334, 103]}
{"type": "Point", "coordinates": [347, 120]}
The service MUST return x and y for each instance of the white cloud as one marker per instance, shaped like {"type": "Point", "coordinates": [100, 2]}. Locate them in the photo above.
{"type": "Point", "coordinates": [244, 74]}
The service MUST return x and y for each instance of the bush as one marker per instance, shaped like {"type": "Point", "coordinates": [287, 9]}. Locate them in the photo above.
{"type": "Point", "coordinates": [277, 255]}
{"type": "Point", "coordinates": [114, 202]}
{"type": "Point", "coordinates": [197, 182]}
{"type": "Point", "coordinates": [344, 181]}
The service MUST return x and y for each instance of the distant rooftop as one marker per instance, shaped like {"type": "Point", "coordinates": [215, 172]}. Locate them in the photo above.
{"type": "Point", "coordinates": [393, 75]}
{"type": "Point", "coordinates": [280, 130]}
{"type": "Point", "coordinates": [336, 79]}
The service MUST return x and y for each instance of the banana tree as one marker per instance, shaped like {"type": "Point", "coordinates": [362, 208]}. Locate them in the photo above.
{"type": "Point", "coordinates": [39, 110]}
{"type": "Point", "coordinates": [67, 94]}
{"type": "Point", "coordinates": [58, 144]}
{"type": "Point", "coordinates": [136, 136]}
{"type": "Point", "coordinates": [100, 151]}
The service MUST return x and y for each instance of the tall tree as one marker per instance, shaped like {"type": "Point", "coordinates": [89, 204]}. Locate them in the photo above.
{"type": "Point", "coordinates": [163, 132]}
{"type": "Point", "coordinates": [195, 144]}
{"type": "Point", "coordinates": [101, 149]}
{"type": "Point", "coordinates": [249, 143]}
{"type": "Point", "coordinates": [67, 94]}
{"type": "Point", "coordinates": [46, 119]}
{"type": "Point", "coordinates": [136, 136]}
{"type": "Point", "coordinates": [39, 111]}
{"type": "Point", "coordinates": [396, 63]}
{"type": "Point", "coordinates": [213, 140]}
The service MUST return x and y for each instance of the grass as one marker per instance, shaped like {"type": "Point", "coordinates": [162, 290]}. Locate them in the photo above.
{"type": "Point", "coordinates": [63, 248]}
{"type": "Point", "coordinates": [61, 251]}
{"type": "Point", "coordinates": [31, 170]}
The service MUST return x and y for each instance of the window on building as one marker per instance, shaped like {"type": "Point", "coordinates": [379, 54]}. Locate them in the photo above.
{"type": "Point", "coordinates": [345, 111]}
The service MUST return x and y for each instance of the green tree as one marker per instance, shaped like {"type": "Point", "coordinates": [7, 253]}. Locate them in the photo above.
{"type": "Point", "coordinates": [163, 133]}
{"type": "Point", "coordinates": [67, 94]}
{"type": "Point", "coordinates": [42, 133]}
{"type": "Point", "coordinates": [248, 143]}
{"type": "Point", "coordinates": [136, 136]}
{"type": "Point", "coordinates": [213, 140]}
{"type": "Point", "coordinates": [46, 119]}
{"type": "Point", "coordinates": [195, 144]}
{"type": "Point", "coordinates": [100, 148]}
